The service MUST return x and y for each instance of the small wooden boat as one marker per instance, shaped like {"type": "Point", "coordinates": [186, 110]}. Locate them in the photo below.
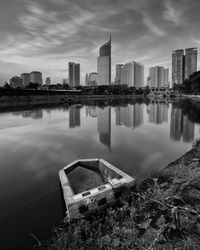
{"type": "Point", "coordinates": [91, 184]}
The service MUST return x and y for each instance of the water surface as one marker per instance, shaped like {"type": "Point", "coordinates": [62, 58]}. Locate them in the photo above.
{"type": "Point", "coordinates": [34, 144]}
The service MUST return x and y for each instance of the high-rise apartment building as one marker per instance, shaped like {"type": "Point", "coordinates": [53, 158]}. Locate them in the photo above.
{"type": "Point", "coordinates": [74, 74]}
{"type": "Point", "coordinates": [118, 74]}
{"type": "Point", "coordinates": [183, 65]}
{"type": "Point", "coordinates": [190, 61]}
{"type": "Point", "coordinates": [104, 64]}
{"type": "Point", "coordinates": [26, 79]}
{"type": "Point", "coordinates": [36, 77]}
{"type": "Point", "coordinates": [178, 60]}
{"type": "Point", "coordinates": [132, 74]}
{"type": "Point", "coordinates": [158, 77]}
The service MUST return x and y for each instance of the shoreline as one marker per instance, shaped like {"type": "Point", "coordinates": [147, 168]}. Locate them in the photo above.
{"type": "Point", "coordinates": [40, 101]}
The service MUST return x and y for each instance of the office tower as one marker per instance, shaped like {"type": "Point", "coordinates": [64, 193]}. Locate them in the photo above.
{"type": "Point", "coordinates": [118, 74]}
{"type": "Point", "coordinates": [91, 79]}
{"type": "Point", "coordinates": [104, 64]}
{"type": "Point", "coordinates": [36, 77]}
{"type": "Point", "coordinates": [48, 81]}
{"type": "Point", "coordinates": [16, 82]}
{"type": "Point", "coordinates": [104, 125]}
{"type": "Point", "coordinates": [132, 74]}
{"type": "Point", "coordinates": [158, 77]}
{"type": "Point", "coordinates": [190, 61]}
{"type": "Point", "coordinates": [26, 79]}
{"type": "Point", "coordinates": [177, 66]}
{"type": "Point", "coordinates": [74, 74]}
{"type": "Point", "coordinates": [74, 117]}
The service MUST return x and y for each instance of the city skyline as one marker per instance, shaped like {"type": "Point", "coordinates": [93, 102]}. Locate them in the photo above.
{"type": "Point", "coordinates": [53, 33]}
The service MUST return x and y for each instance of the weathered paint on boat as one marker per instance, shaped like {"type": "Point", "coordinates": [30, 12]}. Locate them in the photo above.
{"type": "Point", "coordinates": [79, 204]}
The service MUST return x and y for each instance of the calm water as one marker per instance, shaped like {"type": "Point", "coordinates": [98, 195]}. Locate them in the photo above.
{"type": "Point", "coordinates": [35, 144]}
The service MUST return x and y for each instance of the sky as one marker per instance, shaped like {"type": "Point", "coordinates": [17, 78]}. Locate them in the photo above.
{"type": "Point", "coordinates": [44, 35]}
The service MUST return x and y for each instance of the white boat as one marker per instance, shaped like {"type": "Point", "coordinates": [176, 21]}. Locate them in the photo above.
{"type": "Point", "coordinates": [91, 184]}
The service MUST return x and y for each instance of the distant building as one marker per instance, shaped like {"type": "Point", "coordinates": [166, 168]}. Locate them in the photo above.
{"type": "Point", "coordinates": [190, 61]}
{"type": "Point", "coordinates": [118, 74]}
{"type": "Point", "coordinates": [26, 79]}
{"type": "Point", "coordinates": [104, 64]}
{"type": "Point", "coordinates": [48, 81]}
{"type": "Point", "coordinates": [91, 79]}
{"type": "Point", "coordinates": [36, 77]}
{"type": "Point", "coordinates": [132, 74]}
{"type": "Point", "coordinates": [158, 77]}
{"type": "Point", "coordinates": [74, 74]}
{"type": "Point", "coordinates": [16, 82]}
{"type": "Point", "coordinates": [65, 81]}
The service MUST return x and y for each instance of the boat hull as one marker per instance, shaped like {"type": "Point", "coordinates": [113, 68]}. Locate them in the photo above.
{"type": "Point", "coordinates": [103, 190]}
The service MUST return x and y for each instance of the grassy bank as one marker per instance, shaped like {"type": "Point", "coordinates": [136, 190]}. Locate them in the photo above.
{"type": "Point", "coordinates": [162, 212]}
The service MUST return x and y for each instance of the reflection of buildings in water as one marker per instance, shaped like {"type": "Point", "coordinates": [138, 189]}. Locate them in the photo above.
{"type": "Point", "coordinates": [34, 114]}
{"type": "Point", "coordinates": [130, 116]}
{"type": "Point", "coordinates": [137, 115]}
{"type": "Point", "coordinates": [158, 113]}
{"type": "Point", "coordinates": [104, 125]}
{"type": "Point", "coordinates": [176, 124]}
{"type": "Point", "coordinates": [74, 117]}
{"type": "Point", "coordinates": [181, 126]}
{"type": "Point", "coordinates": [188, 129]}
{"type": "Point", "coordinates": [91, 111]}
{"type": "Point", "coordinates": [123, 116]}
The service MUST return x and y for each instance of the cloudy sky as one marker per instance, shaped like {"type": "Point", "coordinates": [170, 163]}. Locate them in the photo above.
{"type": "Point", "coordinates": [44, 35]}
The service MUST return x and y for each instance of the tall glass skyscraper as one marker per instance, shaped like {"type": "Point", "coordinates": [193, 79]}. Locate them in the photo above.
{"type": "Point", "coordinates": [104, 64]}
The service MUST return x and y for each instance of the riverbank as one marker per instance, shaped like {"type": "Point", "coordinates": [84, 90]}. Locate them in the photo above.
{"type": "Point", "coordinates": [162, 213]}
{"type": "Point", "coordinates": [12, 103]}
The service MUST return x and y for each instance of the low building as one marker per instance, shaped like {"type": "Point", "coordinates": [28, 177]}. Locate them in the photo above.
{"type": "Point", "coordinates": [16, 82]}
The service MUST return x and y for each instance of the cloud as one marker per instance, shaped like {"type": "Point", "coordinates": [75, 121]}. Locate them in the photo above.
{"type": "Point", "coordinates": [47, 34]}
{"type": "Point", "coordinates": [171, 14]}
{"type": "Point", "coordinates": [152, 26]}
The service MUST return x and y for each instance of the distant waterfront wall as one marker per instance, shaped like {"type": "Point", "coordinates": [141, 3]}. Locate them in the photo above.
{"type": "Point", "coordinates": [35, 100]}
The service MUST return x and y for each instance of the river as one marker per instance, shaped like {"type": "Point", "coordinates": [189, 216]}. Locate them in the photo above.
{"type": "Point", "coordinates": [138, 138]}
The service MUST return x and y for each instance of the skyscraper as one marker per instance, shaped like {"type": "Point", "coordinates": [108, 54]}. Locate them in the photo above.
{"type": "Point", "coordinates": [132, 74]}
{"type": "Point", "coordinates": [74, 74]}
{"type": "Point", "coordinates": [36, 77]}
{"type": "Point", "coordinates": [104, 64]}
{"type": "Point", "coordinates": [118, 74]}
{"type": "Point", "coordinates": [178, 66]}
{"type": "Point", "coordinates": [190, 61]}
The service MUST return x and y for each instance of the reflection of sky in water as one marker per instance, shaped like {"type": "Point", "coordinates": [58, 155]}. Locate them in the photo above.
{"type": "Point", "coordinates": [35, 144]}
